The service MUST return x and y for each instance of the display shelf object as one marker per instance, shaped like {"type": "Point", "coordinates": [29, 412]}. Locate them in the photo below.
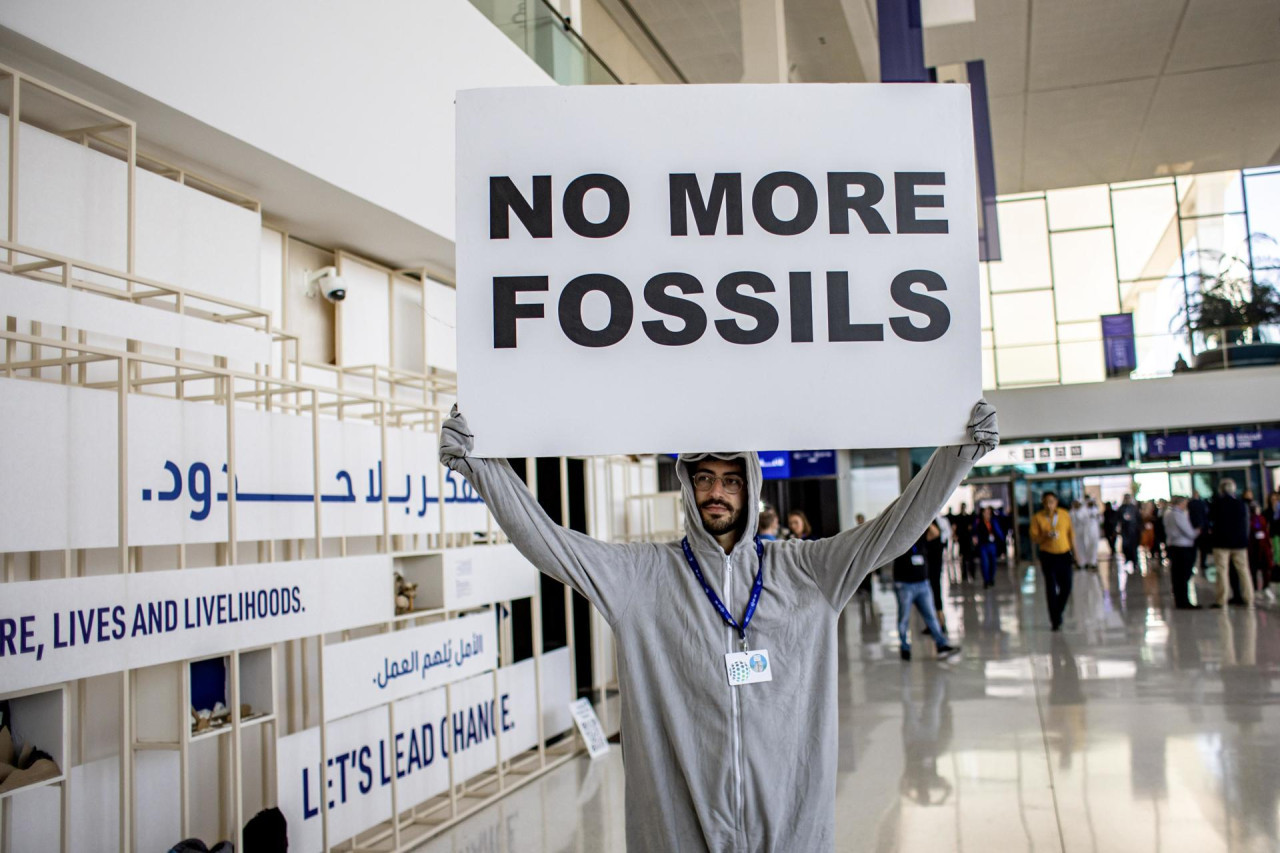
{"type": "Point", "coordinates": [257, 686]}
{"type": "Point", "coordinates": [209, 699]}
{"type": "Point", "coordinates": [463, 578]}
{"type": "Point", "coordinates": [37, 720]}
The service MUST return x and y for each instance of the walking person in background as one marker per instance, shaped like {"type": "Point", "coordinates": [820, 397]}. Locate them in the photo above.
{"type": "Point", "coordinates": [961, 530]}
{"type": "Point", "coordinates": [1259, 551]}
{"type": "Point", "coordinates": [1111, 528]}
{"type": "Point", "coordinates": [1147, 539]}
{"type": "Point", "coordinates": [1198, 510]}
{"type": "Point", "coordinates": [988, 538]}
{"type": "Point", "coordinates": [1084, 522]}
{"type": "Point", "coordinates": [1129, 524]}
{"type": "Point", "coordinates": [1158, 521]}
{"type": "Point", "coordinates": [768, 524]}
{"type": "Point", "coordinates": [1182, 535]}
{"type": "Point", "coordinates": [1273, 530]}
{"type": "Point", "coordinates": [911, 580]}
{"type": "Point", "coordinates": [798, 524]}
{"type": "Point", "coordinates": [1052, 534]}
{"type": "Point", "coordinates": [935, 549]}
{"type": "Point", "coordinates": [1229, 528]}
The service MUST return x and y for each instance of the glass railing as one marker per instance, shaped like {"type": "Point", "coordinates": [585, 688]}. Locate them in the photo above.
{"type": "Point", "coordinates": [546, 36]}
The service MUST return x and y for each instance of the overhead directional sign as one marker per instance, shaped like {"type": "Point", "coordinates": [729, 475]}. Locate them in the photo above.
{"type": "Point", "coordinates": [1086, 450]}
{"type": "Point", "coordinates": [1176, 445]}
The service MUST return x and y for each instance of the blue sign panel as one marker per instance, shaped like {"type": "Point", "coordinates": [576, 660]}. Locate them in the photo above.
{"type": "Point", "coordinates": [1240, 439]}
{"type": "Point", "coordinates": [813, 463]}
{"type": "Point", "coordinates": [1117, 344]}
{"type": "Point", "coordinates": [775, 464]}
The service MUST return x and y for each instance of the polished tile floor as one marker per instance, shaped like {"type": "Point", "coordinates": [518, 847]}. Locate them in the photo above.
{"type": "Point", "coordinates": [1137, 728]}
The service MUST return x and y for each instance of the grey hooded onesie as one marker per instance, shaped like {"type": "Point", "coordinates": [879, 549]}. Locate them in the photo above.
{"type": "Point", "coordinates": [709, 766]}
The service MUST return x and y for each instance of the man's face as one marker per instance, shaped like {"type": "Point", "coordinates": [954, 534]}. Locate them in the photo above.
{"type": "Point", "coordinates": [721, 511]}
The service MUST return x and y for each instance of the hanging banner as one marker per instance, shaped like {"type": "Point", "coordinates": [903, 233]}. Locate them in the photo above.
{"type": "Point", "coordinates": [364, 753]}
{"type": "Point", "coordinates": [59, 630]}
{"type": "Point", "coordinates": [58, 461]}
{"type": "Point", "coordinates": [375, 670]}
{"type": "Point", "coordinates": [642, 245]}
{"type": "Point", "coordinates": [1119, 349]}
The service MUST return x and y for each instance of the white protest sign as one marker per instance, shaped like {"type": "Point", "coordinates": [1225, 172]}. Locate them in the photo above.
{"type": "Point", "coordinates": [58, 464]}
{"type": "Point", "coordinates": [589, 727]}
{"type": "Point", "coordinates": [57, 630]}
{"type": "Point", "coordinates": [363, 753]}
{"type": "Point", "coordinates": [374, 670]}
{"type": "Point", "coordinates": [700, 268]}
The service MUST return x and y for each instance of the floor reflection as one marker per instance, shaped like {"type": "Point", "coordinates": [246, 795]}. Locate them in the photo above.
{"type": "Point", "coordinates": [1137, 727]}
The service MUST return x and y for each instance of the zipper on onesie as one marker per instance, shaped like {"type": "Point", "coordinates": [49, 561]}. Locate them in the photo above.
{"type": "Point", "coordinates": [737, 714]}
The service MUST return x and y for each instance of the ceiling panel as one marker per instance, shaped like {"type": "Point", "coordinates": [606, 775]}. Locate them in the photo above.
{"type": "Point", "coordinates": [1084, 135]}
{"type": "Point", "coordinates": [1081, 90]}
{"type": "Point", "coordinates": [999, 36]}
{"type": "Point", "coordinates": [1006, 141]}
{"type": "Point", "coordinates": [1220, 119]}
{"type": "Point", "coordinates": [1218, 33]}
{"type": "Point", "coordinates": [819, 44]}
{"type": "Point", "coordinates": [704, 36]}
{"type": "Point", "coordinates": [1097, 41]}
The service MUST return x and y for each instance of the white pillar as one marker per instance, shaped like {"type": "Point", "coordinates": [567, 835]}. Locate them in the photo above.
{"type": "Point", "coordinates": [844, 489]}
{"type": "Point", "coordinates": [764, 41]}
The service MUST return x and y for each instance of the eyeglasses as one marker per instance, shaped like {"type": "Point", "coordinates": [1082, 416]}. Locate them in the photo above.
{"type": "Point", "coordinates": [732, 483]}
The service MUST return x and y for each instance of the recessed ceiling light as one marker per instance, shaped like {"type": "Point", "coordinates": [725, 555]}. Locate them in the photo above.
{"type": "Point", "coordinates": [1182, 168]}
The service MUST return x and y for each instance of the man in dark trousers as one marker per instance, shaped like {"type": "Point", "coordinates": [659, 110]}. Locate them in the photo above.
{"type": "Point", "coordinates": [962, 534]}
{"type": "Point", "coordinates": [1229, 526]}
{"type": "Point", "coordinates": [1198, 511]}
{"type": "Point", "coordinates": [911, 581]}
{"type": "Point", "coordinates": [1130, 523]}
{"type": "Point", "coordinates": [1051, 531]}
{"type": "Point", "coordinates": [1181, 533]}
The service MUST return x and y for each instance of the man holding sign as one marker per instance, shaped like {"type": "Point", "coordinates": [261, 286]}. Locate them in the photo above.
{"type": "Point", "coordinates": [627, 273]}
{"type": "Point", "coordinates": [726, 644]}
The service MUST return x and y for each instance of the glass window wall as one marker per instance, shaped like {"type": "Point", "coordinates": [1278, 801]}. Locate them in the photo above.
{"type": "Point", "coordinates": [1141, 247]}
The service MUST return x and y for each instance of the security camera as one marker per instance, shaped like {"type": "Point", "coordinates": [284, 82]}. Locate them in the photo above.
{"type": "Point", "coordinates": [327, 283]}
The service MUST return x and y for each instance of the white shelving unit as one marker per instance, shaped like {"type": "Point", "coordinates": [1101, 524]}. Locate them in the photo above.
{"type": "Point", "coordinates": [39, 718]}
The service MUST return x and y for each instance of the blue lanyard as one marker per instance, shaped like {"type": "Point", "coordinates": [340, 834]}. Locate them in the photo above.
{"type": "Point", "coordinates": [756, 589]}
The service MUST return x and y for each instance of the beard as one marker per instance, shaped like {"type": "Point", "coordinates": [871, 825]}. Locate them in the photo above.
{"type": "Point", "coordinates": [722, 525]}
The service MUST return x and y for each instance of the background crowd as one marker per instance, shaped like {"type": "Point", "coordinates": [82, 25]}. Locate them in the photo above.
{"type": "Point", "coordinates": [1233, 533]}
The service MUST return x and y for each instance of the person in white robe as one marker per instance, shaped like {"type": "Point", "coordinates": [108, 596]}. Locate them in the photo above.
{"type": "Point", "coordinates": [1085, 524]}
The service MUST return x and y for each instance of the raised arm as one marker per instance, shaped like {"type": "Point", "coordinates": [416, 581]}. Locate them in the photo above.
{"type": "Point", "coordinates": [839, 563]}
{"type": "Point", "coordinates": [602, 572]}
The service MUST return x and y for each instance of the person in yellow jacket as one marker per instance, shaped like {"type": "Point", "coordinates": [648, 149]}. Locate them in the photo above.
{"type": "Point", "coordinates": [1052, 533]}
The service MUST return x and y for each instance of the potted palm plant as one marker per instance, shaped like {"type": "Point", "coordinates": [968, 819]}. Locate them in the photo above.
{"type": "Point", "coordinates": [1232, 308]}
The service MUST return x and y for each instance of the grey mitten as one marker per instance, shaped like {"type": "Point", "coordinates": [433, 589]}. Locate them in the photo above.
{"type": "Point", "coordinates": [984, 431]}
{"type": "Point", "coordinates": [456, 442]}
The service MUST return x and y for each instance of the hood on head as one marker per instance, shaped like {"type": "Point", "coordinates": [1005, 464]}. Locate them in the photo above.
{"type": "Point", "coordinates": [750, 504]}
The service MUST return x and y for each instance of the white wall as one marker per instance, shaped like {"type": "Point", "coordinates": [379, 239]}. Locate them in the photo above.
{"type": "Point", "coordinates": [363, 318]}
{"type": "Point", "coordinates": [441, 325]}
{"type": "Point", "coordinates": [1242, 396]}
{"type": "Point", "coordinates": [73, 201]}
{"type": "Point", "coordinates": [357, 94]}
